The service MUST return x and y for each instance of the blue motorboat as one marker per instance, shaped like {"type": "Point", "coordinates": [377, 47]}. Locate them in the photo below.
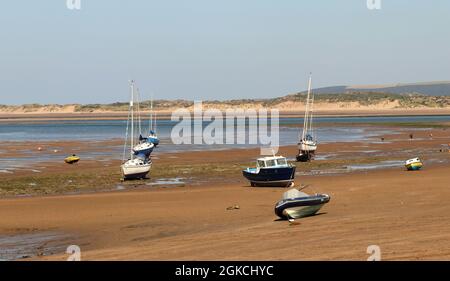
{"type": "Point", "coordinates": [271, 171]}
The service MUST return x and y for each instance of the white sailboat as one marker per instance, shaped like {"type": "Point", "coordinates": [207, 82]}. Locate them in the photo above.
{"type": "Point", "coordinates": [307, 144]}
{"type": "Point", "coordinates": [136, 166]}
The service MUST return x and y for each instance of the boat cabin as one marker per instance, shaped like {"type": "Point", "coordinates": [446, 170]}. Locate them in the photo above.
{"type": "Point", "coordinates": [271, 162]}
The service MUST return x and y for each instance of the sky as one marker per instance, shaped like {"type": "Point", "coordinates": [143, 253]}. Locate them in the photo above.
{"type": "Point", "coordinates": [211, 49]}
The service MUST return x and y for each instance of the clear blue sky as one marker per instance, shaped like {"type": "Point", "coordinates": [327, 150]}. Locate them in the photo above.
{"type": "Point", "coordinates": [205, 49]}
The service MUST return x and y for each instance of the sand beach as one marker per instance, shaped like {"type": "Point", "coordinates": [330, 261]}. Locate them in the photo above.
{"type": "Point", "coordinates": [182, 211]}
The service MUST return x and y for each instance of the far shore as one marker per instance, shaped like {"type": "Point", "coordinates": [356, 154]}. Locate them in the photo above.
{"type": "Point", "coordinates": [166, 115]}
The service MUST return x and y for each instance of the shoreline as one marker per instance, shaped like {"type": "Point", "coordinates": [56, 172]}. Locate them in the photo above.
{"type": "Point", "coordinates": [24, 117]}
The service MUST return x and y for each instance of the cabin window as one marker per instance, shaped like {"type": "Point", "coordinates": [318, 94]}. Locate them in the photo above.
{"type": "Point", "coordinates": [271, 163]}
{"type": "Point", "coordinates": [281, 162]}
{"type": "Point", "coordinates": [261, 163]}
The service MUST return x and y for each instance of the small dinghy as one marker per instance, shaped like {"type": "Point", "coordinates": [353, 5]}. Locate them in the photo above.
{"type": "Point", "coordinates": [296, 204]}
{"type": "Point", "coordinates": [271, 171]}
{"type": "Point", "coordinates": [413, 164]}
{"type": "Point", "coordinates": [72, 159]}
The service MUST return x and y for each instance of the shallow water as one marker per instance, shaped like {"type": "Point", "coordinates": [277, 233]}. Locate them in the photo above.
{"type": "Point", "coordinates": [167, 181]}
{"type": "Point", "coordinates": [379, 165]}
{"type": "Point", "coordinates": [19, 246]}
{"type": "Point", "coordinates": [96, 131]}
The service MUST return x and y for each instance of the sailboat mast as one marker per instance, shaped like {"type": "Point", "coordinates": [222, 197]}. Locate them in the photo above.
{"type": "Point", "coordinates": [305, 120]}
{"type": "Point", "coordinates": [132, 119]}
{"type": "Point", "coordinates": [138, 98]}
{"type": "Point", "coordinates": [151, 114]}
{"type": "Point", "coordinates": [311, 116]}
{"type": "Point", "coordinates": [311, 107]}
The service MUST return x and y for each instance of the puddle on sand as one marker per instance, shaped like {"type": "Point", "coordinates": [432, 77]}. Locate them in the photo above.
{"type": "Point", "coordinates": [172, 182]}
{"type": "Point", "coordinates": [20, 246]}
{"type": "Point", "coordinates": [355, 167]}
{"type": "Point", "coordinates": [379, 165]}
{"type": "Point", "coordinates": [322, 172]}
{"type": "Point", "coordinates": [324, 156]}
{"type": "Point", "coordinates": [6, 171]}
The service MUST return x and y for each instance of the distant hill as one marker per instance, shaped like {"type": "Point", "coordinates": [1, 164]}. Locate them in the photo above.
{"type": "Point", "coordinates": [397, 97]}
{"type": "Point", "coordinates": [351, 101]}
{"type": "Point", "coordinates": [440, 88]}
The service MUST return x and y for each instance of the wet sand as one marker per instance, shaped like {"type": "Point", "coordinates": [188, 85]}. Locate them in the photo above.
{"type": "Point", "coordinates": [404, 213]}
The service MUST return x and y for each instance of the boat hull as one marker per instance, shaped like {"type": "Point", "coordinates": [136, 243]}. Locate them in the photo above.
{"type": "Point", "coordinates": [300, 207]}
{"type": "Point", "coordinates": [153, 140]}
{"type": "Point", "coordinates": [414, 166]}
{"type": "Point", "coordinates": [143, 149]}
{"type": "Point", "coordinates": [71, 160]}
{"type": "Point", "coordinates": [305, 156]}
{"type": "Point", "coordinates": [282, 176]}
{"type": "Point", "coordinates": [307, 146]}
{"type": "Point", "coordinates": [307, 149]}
{"type": "Point", "coordinates": [135, 172]}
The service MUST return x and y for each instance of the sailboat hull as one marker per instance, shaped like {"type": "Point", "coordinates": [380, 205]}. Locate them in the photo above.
{"type": "Point", "coordinates": [135, 172]}
{"type": "Point", "coordinates": [145, 148]}
{"type": "Point", "coordinates": [153, 140]}
{"type": "Point", "coordinates": [305, 156]}
{"type": "Point", "coordinates": [307, 147]}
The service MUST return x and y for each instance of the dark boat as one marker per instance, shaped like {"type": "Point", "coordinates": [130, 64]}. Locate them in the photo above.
{"type": "Point", "coordinates": [296, 204]}
{"type": "Point", "coordinates": [271, 171]}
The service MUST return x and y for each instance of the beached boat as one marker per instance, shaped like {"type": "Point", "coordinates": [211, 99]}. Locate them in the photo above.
{"type": "Point", "coordinates": [143, 147]}
{"type": "Point", "coordinates": [152, 136]}
{"type": "Point", "coordinates": [307, 144]}
{"type": "Point", "coordinates": [413, 164]}
{"type": "Point", "coordinates": [296, 204]}
{"type": "Point", "coordinates": [72, 159]}
{"type": "Point", "coordinates": [135, 167]}
{"type": "Point", "coordinates": [271, 171]}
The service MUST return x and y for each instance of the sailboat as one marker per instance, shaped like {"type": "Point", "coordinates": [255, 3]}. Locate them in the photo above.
{"type": "Point", "coordinates": [144, 147]}
{"type": "Point", "coordinates": [152, 136]}
{"type": "Point", "coordinates": [307, 144]}
{"type": "Point", "coordinates": [138, 165]}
